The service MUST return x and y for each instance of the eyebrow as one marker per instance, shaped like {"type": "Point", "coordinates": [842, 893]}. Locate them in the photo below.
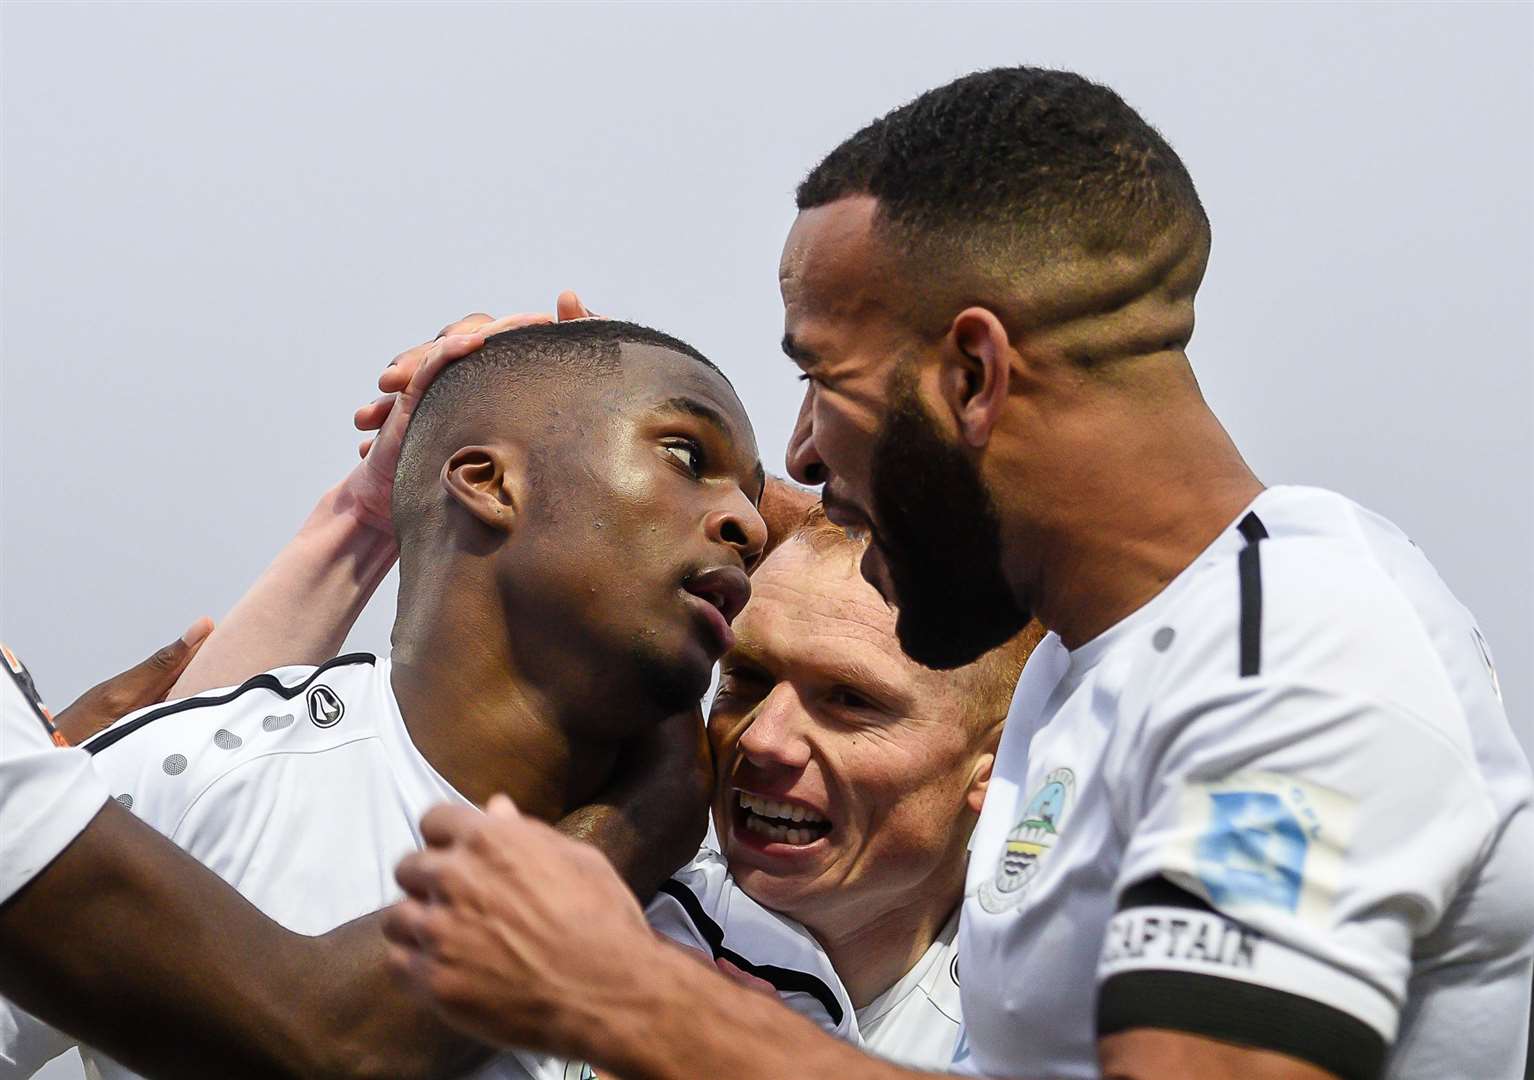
{"type": "Point", "coordinates": [849, 671]}
{"type": "Point", "coordinates": [714, 418]}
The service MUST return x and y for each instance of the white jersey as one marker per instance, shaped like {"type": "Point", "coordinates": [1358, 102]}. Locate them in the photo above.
{"type": "Point", "coordinates": [302, 789]}
{"type": "Point", "coordinates": [1280, 806]}
{"type": "Point", "coordinates": [916, 1022]}
{"type": "Point", "coordinates": [47, 794]}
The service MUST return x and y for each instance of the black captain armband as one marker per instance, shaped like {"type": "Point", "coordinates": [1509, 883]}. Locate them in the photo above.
{"type": "Point", "coordinates": [1171, 961]}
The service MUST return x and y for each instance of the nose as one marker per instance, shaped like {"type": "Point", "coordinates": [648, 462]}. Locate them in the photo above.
{"type": "Point", "coordinates": [740, 527]}
{"type": "Point", "coordinates": [774, 738]}
{"type": "Point", "coordinates": [804, 463]}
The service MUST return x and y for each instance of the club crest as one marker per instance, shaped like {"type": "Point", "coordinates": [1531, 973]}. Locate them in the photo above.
{"type": "Point", "coordinates": [1029, 842]}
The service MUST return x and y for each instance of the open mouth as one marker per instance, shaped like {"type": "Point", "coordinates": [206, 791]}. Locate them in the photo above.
{"type": "Point", "coordinates": [779, 822]}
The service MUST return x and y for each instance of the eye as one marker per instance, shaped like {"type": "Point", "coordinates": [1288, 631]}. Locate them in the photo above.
{"type": "Point", "coordinates": [846, 698]}
{"type": "Point", "coordinates": [743, 689]}
{"type": "Point", "coordinates": [688, 452]}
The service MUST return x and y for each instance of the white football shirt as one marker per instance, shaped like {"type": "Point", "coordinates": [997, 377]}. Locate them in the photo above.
{"type": "Point", "coordinates": [1280, 805]}
{"type": "Point", "coordinates": [47, 794]}
{"type": "Point", "coordinates": [302, 789]}
{"type": "Point", "coordinates": [916, 1022]}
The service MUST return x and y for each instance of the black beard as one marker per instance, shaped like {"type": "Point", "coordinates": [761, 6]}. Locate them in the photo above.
{"type": "Point", "coordinates": [940, 535]}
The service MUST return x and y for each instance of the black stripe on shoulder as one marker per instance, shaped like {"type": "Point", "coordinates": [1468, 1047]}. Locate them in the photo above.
{"type": "Point", "coordinates": [1249, 566]}
{"type": "Point", "coordinates": [785, 980]}
{"type": "Point", "coordinates": [1159, 892]}
{"type": "Point", "coordinates": [264, 681]}
{"type": "Point", "coordinates": [1242, 1013]}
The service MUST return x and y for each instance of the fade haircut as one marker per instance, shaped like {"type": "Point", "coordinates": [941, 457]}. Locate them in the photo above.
{"type": "Point", "coordinates": [570, 354]}
{"type": "Point", "coordinates": [1017, 165]}
{"type": "Point", "coordinates": [987, 683]}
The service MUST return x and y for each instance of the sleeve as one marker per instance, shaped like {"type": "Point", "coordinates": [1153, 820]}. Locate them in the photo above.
{"type": "Point", "coordinates": [1287, 845]}
{"type": "Point", "coordinates": [26, 1043]}
{"type": "Point", "coordinates": [702, 908]}
{"type": "Point", "coordinates": [48, 794]}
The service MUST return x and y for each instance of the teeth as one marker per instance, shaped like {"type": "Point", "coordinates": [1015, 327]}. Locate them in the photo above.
{"type": "Point", "coordinates": [784, 812]}
{"type": "Point", "coordinates": [778, 833]}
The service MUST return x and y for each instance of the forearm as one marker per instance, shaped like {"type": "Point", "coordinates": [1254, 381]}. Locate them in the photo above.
{"type": "Point", "coordinates": [301, 608]}
{"type": "Point", "coordinates": [360, 1020]}
{"type": "Point", "coordinates": [124, 936]}
{"type": "Point", "coordinates": [682, 1021]}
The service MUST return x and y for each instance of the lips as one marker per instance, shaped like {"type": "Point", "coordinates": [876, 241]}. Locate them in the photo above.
{"type": "Point", "coordinates": [727, 588]}
{"type": "Point", "coordinates": [719, 594]}
{"type": "Point", "coordinates": [843, 514]}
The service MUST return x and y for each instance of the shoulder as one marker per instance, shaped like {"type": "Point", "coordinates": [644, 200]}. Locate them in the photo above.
{"type": "Point", "coordinates": [1321, 594]}
{"type": "Point", "coordinates": [158, 760]}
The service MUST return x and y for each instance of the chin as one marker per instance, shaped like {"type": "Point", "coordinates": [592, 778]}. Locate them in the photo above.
{"type": "Point", "coordinates": [775, 893]}
{"type": "Point", "coordinates": [677, 685]}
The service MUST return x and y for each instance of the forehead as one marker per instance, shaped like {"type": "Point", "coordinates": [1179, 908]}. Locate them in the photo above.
{"type": "Point", "coordinates": [829, 256]}
{"type": "Point", "coordinates": [657, 379]}
{"type": "Point", "coordinates": [812, 613]}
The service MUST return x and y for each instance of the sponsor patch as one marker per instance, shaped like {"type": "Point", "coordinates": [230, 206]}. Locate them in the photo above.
{"type": "Point", "coordinates": [1265, 840]}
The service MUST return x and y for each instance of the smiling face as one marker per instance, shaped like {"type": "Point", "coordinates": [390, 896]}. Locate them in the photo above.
{"type": "Point", "coordinates": [641, 522]}
{"type": "Point", "coordinates": [849, 776]}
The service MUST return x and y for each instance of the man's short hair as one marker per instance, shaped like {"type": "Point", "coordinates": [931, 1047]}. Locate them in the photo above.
{"type": "Point", "coordinates": [567, 354]}
{"type": "Point", "coordinates": [1021, 163]}
{"type": "Point", "coordinates": [989, 682]}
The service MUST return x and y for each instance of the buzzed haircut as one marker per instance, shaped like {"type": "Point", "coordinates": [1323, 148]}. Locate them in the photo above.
{"type": "Point", "coordinates": [568, 353]}
{"type": "Point", "coordinates": [1028, 162]}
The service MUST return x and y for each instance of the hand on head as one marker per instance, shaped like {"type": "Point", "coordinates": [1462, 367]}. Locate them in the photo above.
{"type": "Point", "coordinates": [368, 487]}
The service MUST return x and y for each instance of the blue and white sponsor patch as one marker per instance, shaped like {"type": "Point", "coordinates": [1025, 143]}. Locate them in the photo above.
{"type": "Point", "coordinates": [1265, 840]}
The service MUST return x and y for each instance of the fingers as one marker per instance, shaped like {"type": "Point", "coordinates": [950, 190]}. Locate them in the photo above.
{"type": "Point", "coordinates": [420, 874]}
{"type": "Point", "coordinates": [514, 322]}
{"type": "Point", "coordinates": [501, 806]}
{"type": "Point", "coordinates": [144, 684]}
{"type": "Point", "coordinates": [443, 352]}
{"type": "Point", "coordinates": [148, 682]}
{"type": "Point", "coordinates": [569, 306]}
{"type": "Point", "coordinates": [466, 325]}
{"type": "Point", "coordinates": [404, 925]}
{"type": "Point", "coordinates": [444, 825]}
{"type": "Point", "coordinates": [371, 416]}
{"type": "Point", "coordinates": [745, 978]}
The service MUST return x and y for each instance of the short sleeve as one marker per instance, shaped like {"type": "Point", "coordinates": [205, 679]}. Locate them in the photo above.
{"type": "Point", "coordinates": [48, 794]}
{"type": "Point", "coordinates": [1287, 846]}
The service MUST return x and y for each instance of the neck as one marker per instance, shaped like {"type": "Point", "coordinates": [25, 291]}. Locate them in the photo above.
{"type": "Point", "coordinates": [1159, 484]}
{"type": "Point", "coordinates": [874, 954]}
{"type": "Point", "coordinates": [476, 716]}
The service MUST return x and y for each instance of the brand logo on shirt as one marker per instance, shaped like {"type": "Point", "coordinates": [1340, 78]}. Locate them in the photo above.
{"type": "Point", "coordinates": [325, 707]}
{"type": "Point", "coordinates": [1029, 842]}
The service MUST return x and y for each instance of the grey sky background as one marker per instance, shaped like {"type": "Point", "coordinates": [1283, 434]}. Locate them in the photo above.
{"type": "Point", "coordinates": [219, 222]}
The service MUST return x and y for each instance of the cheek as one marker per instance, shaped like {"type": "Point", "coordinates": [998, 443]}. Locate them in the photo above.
{"type": "Point", "coordinates": [842, 441]}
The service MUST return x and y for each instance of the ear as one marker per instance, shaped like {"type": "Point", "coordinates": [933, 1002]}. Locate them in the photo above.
{"type": "Point", "coordinates": [974, 798]}
{"type": "Point", "coordinates": [486, 482]}
{"type": "Point", "coordinates": [975, 382]}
